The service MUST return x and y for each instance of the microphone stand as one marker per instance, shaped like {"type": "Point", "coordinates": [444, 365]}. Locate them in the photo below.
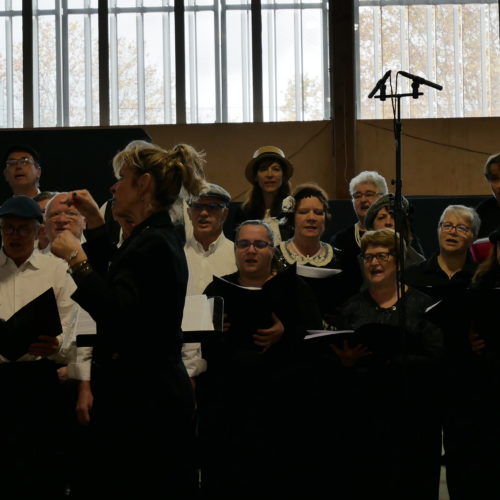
{"type": "Point", "coordinates": [398, 182]}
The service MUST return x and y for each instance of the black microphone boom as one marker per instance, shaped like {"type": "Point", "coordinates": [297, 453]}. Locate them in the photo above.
{"type": "Point", "coordinates": [422, 81]}
{"type": "Point", "coordinates": [379, 84]}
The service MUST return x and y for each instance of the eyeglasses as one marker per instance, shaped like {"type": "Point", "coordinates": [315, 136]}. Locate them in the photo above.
{"type": "Point", "coordinates": [381, 256]}
{"type": "Point", "coordinates": [369, 195]}
{"type": "Point", "coordinates": [68, 213]}
{"type": "Point", "coordinates": [19, 161]}
{"type": "Point", "coordinates": [209, 207]}
{"type": "Point", "coordinates": [448, 226]}
{"type": "Point", "coordinates": [257, 244]}
{"type": "Point", "coordinates": [22, 231]}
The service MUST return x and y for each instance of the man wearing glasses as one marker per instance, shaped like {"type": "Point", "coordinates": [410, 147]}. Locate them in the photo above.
{"type": "Point", "coordinates": [208, 253]}
{"type": "Point", "coordinates": [22, 170]}
{"type": "Point", "coordinates": [31, 398]}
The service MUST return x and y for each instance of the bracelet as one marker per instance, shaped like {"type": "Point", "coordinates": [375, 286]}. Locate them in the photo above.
{"type": "Point", "coordinates": [81, 269]}
{"type": "Point", "coordinates": [73, 254]}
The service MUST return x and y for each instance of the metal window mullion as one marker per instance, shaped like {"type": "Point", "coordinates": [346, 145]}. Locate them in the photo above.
{"type": "Point", "coordinates": [104, 57]}
{"type": "Point", "coordinates": [193, 69]}
{"type": "Point", "coordinates": [9, 69]}
{"type": "Point", "coordinates": [430, 70]}
{"type": "Point", "coordinates": [113, 58]}
{"type": "Point", "coordinates": [377, 55]}
{"type": "Point", "coordinates": [217, 61]}
{"type": "Point", "coordinates": [36, 74]}
{"type": "Point", "coordinates": [87, 47]}
{"type": "Point", "coordinates": [257, 60]}
{"type": "Point", "coordinates": [167, 67]}
{"type": "Point", "coordinates": [180, 62]}
{"type": "Point", "coordinates": [484, 75]}
{"type": "Point", "coordinates": [404, 52]}
{"type": "Point", "coordinates": [459, 111]}
{"type": "Point", "coordinates": [65, 63]}
{"type": "Point", "coordinates": [28, 64]}
{"type": "Point", "coordinates": [245, 66]}
{"type": "Point", "coordinates": [59, 68]}
{"type": "Point", "coordinates": [141, 87]}
{"type": "Point", "coordinates": [326, 69]}
{"type": "Point", "coordinates": [299, 103]}
{"type": "Point", "coordinates": [223, 63]}
{"type": "Point", "coordinates": [271, 66]}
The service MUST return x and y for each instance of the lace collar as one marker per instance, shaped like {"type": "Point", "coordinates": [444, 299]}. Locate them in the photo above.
{"type": "Point", "coordinates": [320, 259]}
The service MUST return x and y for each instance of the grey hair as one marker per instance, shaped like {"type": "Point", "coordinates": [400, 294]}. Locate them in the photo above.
{"type": "Point", "coordinates": [255, 222]}
{"type": "Point", "coordinates": [369, 176]}
{"type": "Point", "coordinates": [492, 160]}
{"type": "Point", "coordinates": [468, 213]}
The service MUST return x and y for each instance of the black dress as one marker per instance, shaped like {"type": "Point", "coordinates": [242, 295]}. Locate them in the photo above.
{"type": "Point", "coordinates": [143, 409]}
{"type": "Point", "coordinates": [251, 402]}
{"type": "Point", "coordinates": [389, 447]}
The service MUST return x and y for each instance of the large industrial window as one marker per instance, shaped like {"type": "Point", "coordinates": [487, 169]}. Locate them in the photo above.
{"type": "Point", "coordinates": [219, 74]}
{"type": "Point", "coordinates": [454, 43]}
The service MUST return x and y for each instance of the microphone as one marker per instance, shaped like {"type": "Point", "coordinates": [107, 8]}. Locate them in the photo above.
{"type": "Point", "coordinates": [419, 79]}
{"type": "Point", "coordinates": [379, 85]}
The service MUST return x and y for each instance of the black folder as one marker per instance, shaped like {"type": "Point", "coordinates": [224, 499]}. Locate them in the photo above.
{"type": "Point", "coordinates": [383, 341]}
{"type": "Point", "coordinates": [38, 317]}
{"type": "Point", "coordinates": [251, 309]}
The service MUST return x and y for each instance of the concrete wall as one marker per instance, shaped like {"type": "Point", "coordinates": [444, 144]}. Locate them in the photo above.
{"type": "Point", "coordinates": [439, 157]}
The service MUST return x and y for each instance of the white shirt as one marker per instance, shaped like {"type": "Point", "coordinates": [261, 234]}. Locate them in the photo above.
{"type": "Point", "coordinates": [203, 265]}
{"type": "Point", "coordinates": [218, 260]}
{"type": "Point", "coordinates": [20, 285]}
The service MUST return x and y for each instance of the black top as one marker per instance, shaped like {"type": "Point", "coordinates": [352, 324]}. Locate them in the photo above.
{"type": "Point", "coordinates": [422, 342]}
{"type": "Point", "coordinates": [137, 305]}
{"type": "Point", "coordinates": [489, 212]}
{"type": "Point", "coordinates": [286, 294]}
{"type": "Point", "coordinates": [431, 279]}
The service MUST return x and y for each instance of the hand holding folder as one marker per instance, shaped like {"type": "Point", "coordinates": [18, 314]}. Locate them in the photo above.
{"type": "Point", "coordinates": [40, 317]}
{"type": "Point", "coordinates": [380, 342]}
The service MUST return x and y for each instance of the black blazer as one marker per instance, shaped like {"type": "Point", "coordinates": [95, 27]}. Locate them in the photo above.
{"type": "Point", "coordinates": [137, 305]}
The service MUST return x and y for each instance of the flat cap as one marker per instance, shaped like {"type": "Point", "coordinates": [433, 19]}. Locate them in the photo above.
{"type": "Point", "coordinates": [215, 191]}
{"type": "Point", "coordinates": [21, 206]}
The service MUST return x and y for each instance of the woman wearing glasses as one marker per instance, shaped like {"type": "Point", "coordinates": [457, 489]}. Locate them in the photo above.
{"type": "Point", "coordinates": [390, 441]}
{"type": "Point", "coordinates": [445, 276]}
{"type": "Point", "coordinates": [250, 401]}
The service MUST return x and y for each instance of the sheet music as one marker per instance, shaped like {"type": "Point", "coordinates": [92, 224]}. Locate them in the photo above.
{"type": "Point", "coordinates": [197, 315]}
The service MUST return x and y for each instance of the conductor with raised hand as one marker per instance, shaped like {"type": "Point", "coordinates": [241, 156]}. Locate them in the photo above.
{"type": "Point", "coordinates": [143, 406]}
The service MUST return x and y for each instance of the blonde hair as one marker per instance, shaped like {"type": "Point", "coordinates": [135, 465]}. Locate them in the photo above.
{"type": "Point", "coordinates": [182, 166]}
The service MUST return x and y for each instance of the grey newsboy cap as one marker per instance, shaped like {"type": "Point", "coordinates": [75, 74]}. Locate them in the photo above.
{"type": "Point", "coordinates": [388, 201]}
{"type": "Point", "coordinates": [21, 206]}
{"type": "Point", "coordinates": [215, 191]}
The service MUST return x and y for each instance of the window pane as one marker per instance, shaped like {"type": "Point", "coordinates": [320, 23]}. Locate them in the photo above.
{"type": "Point", "coordinates": [454, 44]}
{"type": "Point", "coordinates": [200, 67]}
{"type": "Point", "coordinates": [239, 66]}
{"type": "Point", "coordinates": [44, 68]}
{"type": "Point", "coordinates": [159, 68]}
{"type": "Point", "coordinates": [11, 69]}
{"type": "Point", "coordinates": [83, 70]}
{"type": "Point", "coordinates": [142, 68]}
{"type": "Point", "coordinates": [293, 66]}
